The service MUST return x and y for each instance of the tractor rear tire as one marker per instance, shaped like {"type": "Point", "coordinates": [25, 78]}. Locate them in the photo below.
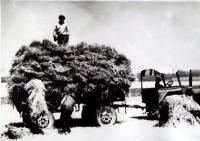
{"type": "Point", "coordinates": [106, 116]}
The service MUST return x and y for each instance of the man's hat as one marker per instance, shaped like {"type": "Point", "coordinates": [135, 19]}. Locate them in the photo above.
{"type": "Point", "coordinates": [61, 17]}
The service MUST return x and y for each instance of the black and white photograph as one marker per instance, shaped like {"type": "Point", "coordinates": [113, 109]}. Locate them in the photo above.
{"type": "Point", "coordinates": [100, 70]}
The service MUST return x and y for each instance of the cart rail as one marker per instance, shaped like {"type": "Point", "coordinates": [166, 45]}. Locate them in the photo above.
{"type": "Point", "coordinates": [127, 106]}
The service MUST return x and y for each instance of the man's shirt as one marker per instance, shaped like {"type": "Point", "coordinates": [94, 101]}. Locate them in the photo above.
{"type": "Point", "coordinates": [69, 101]}
{"type": "Point", "coordinates": [60, 29]}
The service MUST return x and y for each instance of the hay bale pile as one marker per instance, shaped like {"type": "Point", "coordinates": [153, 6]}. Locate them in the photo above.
{"type": "Point", "coordinates": [87, 70]}
{"type": "Point", "coordinates": [179, 110]}
{"type": "Point", "coordinates": [16, 132]}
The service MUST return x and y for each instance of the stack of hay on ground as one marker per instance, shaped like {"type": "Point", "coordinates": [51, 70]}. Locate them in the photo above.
{"type": "Point", "coordinates": [16, 132]}
{"type": "Point", "coordinates": [179, 110]}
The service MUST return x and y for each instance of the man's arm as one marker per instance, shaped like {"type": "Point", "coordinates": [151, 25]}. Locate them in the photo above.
{"type": "Point", "coordinates": [55, 33]}
{"type": "Point", "coordinates": [62, 101]}
{"type": "Point", "coordinates": [66, 29]}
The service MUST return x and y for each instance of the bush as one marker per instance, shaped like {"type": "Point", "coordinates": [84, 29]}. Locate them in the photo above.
{"type": "Point", "coordinates": [85, 71]}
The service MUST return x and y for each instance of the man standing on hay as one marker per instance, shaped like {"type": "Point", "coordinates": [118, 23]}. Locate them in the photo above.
{"type": "Point", "coordinates": [61, 32]}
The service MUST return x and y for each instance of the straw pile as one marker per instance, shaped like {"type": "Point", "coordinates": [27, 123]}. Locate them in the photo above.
{"type": "Point", "coordinates": [87, 70]}
{"type": "Point", "coordinates": [36, 104]}
{"type": "Point", "coordinates": [16, 132]}
{"type": "Point", "coordinates": [179, 110]}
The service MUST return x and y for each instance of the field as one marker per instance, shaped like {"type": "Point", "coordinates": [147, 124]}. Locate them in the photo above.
{"type": "Point", "coordinates": [134, 125]}
{"type": "Point", "coordinates": [149, 84]}
{"type": "Point", "coordinates": [131, 126]}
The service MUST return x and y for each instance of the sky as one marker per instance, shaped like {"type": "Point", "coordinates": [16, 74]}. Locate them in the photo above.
{"type": "Point", "coordinates": [158, 35]}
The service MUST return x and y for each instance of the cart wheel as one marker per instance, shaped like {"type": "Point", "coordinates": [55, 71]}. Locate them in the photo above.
{"type": "Point", "coordinates": [106, 116]}
{"type": "Point", "coordinates": [45, 120]}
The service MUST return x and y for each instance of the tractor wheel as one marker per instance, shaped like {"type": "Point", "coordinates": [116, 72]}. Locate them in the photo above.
{"type": "Point", "coordinates": [106, 116]}
{"type": "Point", "coordinates": [45, 120]}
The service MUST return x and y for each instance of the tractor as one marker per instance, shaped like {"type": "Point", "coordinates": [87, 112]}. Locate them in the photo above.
{"type": "Point", "coordinates": [103, 110]}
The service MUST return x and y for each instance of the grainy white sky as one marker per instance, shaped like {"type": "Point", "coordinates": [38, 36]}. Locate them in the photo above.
{"type": "Point", "coordinates": [151, 34]}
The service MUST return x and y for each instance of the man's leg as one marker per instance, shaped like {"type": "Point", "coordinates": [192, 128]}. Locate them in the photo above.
{"type": "Point", "coordinates": [65, 40]}
{"type": "Point", "coordinates": [63, 120]}
{"type": "Point", "coordinates": [60, 39]}
{"type": "Point", "coordinates": [68, 120]}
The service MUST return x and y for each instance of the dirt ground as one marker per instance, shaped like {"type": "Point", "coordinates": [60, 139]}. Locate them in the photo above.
{"type": "Point", "coordinates": [131, 126]}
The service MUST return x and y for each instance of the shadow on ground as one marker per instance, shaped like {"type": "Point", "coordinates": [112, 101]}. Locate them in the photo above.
{"type": "Point", "coordinates": [17, 130]}
{"type": "Point", "coordinates": [74, 123]}
{"type": "Point", "coordinates": [77, 123]}
{"type": "Point", "coordinates": [145, 117]}
{"type": "Point", "coordinates": [16, 124]}
{"type": "Point", "coordinates": [20, 125]}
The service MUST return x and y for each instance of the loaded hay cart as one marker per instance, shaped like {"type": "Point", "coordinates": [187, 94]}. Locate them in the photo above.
{"type": "Point", "coordinates": [98, 74]}
{"type": "Point", "coordinates": [102, 110]}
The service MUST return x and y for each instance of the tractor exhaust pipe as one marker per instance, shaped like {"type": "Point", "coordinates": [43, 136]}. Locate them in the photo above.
{"type": "Point", "coordinates": [191, 91]}
{"type": "Point", "coordinates": [190, 79]}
